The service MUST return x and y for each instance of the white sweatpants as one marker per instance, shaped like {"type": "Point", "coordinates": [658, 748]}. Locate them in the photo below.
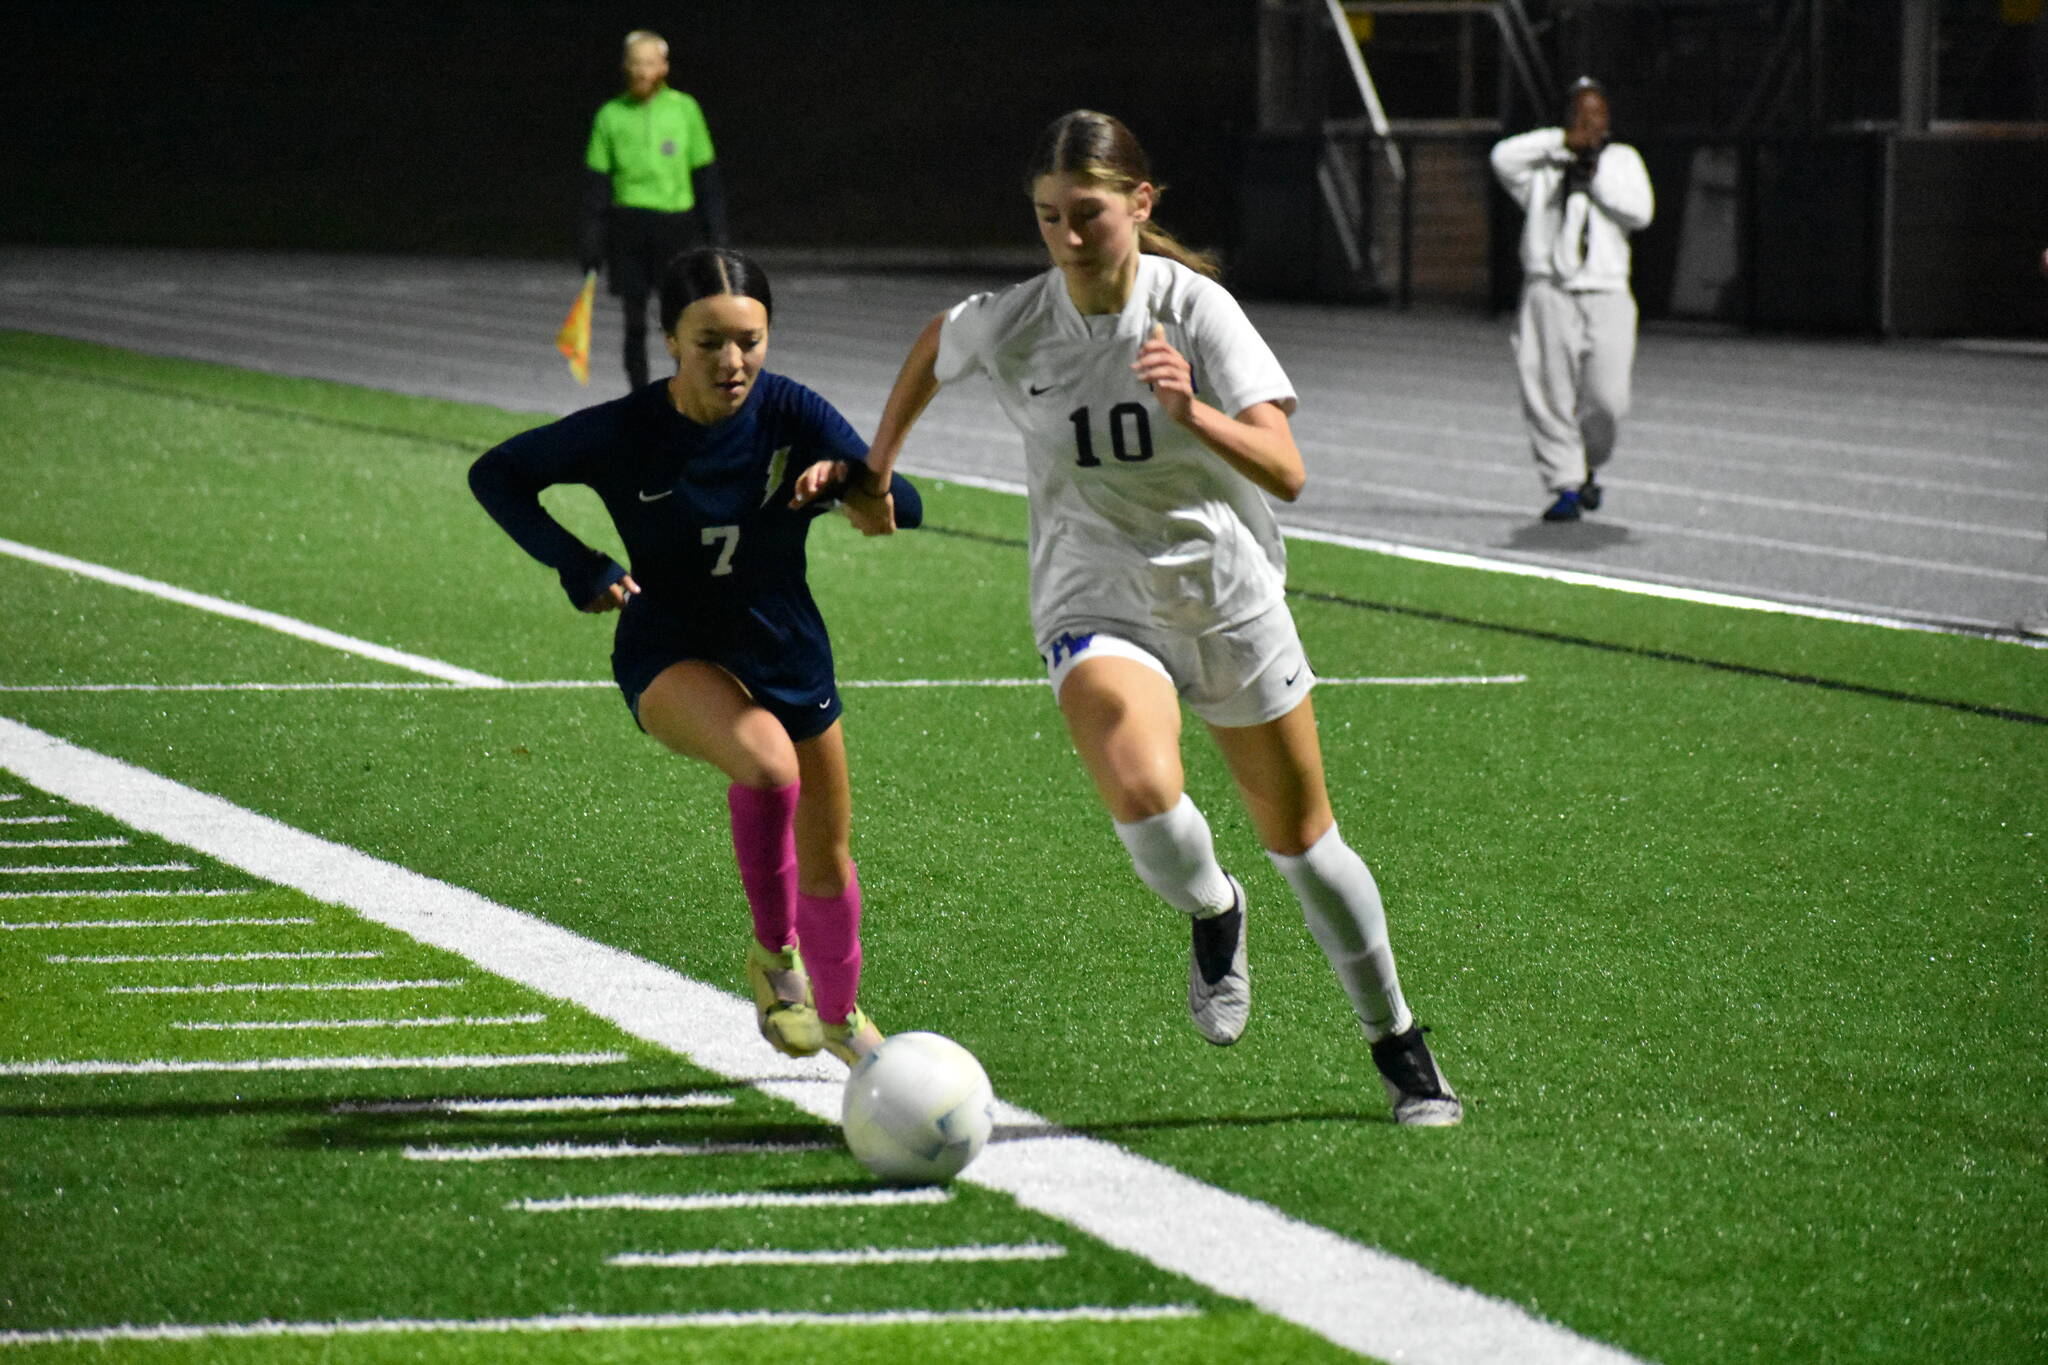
{"type": "Point", "coordinates": [1574, 350]}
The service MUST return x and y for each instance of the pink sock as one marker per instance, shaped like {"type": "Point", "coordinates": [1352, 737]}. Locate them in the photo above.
{"type": "Point", "coordinates": [764, 845]}
{"type": "Point", "coordinates": [830, 928]}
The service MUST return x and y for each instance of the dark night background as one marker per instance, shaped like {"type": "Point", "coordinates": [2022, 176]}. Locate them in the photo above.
{"type": "Point", "coordinates": [459, 126]}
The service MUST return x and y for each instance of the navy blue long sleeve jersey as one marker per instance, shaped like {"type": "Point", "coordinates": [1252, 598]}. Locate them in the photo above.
{"type": "Point", "coordinates": [704, 512]}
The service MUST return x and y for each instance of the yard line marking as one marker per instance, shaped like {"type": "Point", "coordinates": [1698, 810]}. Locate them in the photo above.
{"type": "Point", "coordinates": [700, 1260]}
{"type": "Point", "coordinates": [100, 868]}
{"type": "Point", "coordinates": [230, 987]}
{"type": "Point", "coordinates": [246, 1025]}
{"type": "Point", "coordinates": [10, 796]}
{"type": "Point", "coordinates": [64, 843]}
{"type": "Point", "coordinates": [566, 684]}
{"type": "Point", "coordinates": [432, 1063]}
{"type": "Point", "coordinates": [593, 1322]}
{"type": "Point", "coordinates": [35, 819]}
{"type": "Point", "coordinates": [303, 630]}
{"type": "Point", "coordinates": [767, 1199]}
{"type": "Point", "coordinates": [565, 1104]}
{"type": "Point", "coordinates": [148, 891]}
{"type": "Point", "coordinates": [611, 1151]}
{"type": "Point", "coordinates": [155, 923]}
{"type": "Point", "coordinates": [1357, 1296]}
{"type": "Point", "coordinates": [108, 958]}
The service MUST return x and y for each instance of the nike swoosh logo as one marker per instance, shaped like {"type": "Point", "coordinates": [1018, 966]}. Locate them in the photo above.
{"type": "Point", "coordinates": [656, 497]}
{"type": "Point", "coordinates": [1036, 390]}
{"type": "Point", "coordinates": [1291, 677]}
{"type": "Point", "coordinates": [825, 703]}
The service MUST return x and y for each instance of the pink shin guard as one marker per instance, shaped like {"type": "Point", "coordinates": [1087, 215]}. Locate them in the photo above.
{"type": "Point", "coordinates": [764, 845]}
{"type": "Point", "coordinates": [830, 929]}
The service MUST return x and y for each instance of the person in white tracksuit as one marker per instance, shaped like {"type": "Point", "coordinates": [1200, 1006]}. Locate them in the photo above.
{"type": "Point", "coordinates": [1581, 196]}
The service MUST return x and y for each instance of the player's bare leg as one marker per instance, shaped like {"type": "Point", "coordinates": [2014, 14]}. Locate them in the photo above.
{"type": "Point", "coordinates": [1278, 768]}
{"type": "Point", "coordinates": [1124, 718]}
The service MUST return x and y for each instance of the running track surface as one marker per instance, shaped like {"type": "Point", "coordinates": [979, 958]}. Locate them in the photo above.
{"type": "Point", "coordinates": [1906, 480]}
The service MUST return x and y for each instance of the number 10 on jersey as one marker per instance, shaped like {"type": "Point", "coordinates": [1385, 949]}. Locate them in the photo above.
{"type": "Point", "coordinates": [1130, 435]}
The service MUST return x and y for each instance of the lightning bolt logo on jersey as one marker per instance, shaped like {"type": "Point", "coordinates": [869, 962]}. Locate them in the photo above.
{"type": "Point", "coordinates": [1133, 518]}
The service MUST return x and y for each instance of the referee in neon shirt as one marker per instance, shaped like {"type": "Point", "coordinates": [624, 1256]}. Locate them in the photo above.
{"type": "Point", "coordinates": [651, 188]}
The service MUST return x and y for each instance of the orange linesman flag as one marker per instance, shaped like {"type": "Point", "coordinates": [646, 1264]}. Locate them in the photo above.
{"type": "Point", "coordinates": [573, 341]}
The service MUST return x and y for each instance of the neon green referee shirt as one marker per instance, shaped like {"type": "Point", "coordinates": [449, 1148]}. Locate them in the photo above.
{"type": "Point", "coordinates": [649, 149]}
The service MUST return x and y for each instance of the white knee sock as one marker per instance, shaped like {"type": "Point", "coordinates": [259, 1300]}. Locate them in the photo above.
{"type": "Point", "coordinates": [1176, 858]}
{"type": "Point", "coordinates": [1342, 905]}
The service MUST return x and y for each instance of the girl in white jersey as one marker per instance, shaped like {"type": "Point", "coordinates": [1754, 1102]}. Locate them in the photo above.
{"type": "Point", "coordinates": [1155, 421]}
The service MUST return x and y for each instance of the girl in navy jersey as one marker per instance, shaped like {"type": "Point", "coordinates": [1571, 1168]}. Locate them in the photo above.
{"type": "Point", "coordinates": [713, 477]}
{"type": "Point", "coordinates": [1155, 424]}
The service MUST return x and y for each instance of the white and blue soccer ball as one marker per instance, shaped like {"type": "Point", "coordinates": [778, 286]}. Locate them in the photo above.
{"type": "Point", "coordinates": [917, 1109]}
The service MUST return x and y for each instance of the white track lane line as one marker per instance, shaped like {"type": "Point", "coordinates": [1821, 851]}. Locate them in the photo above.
{"type": "Point", "coordinates": [706, 1260]}
{"type": "Point", "coordinates": [1357, 1296]}
{"type": "Point", "coordinates": [581, 1323]}
{"type": "Point", "coordinates": [303, 630]}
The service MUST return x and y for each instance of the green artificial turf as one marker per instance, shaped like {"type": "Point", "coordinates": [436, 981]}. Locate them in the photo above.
{"type": "Point", "coordinates": [1725, 921]}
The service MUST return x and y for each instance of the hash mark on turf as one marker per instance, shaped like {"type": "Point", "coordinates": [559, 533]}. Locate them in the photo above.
{"type": "Point", "coordinates": [764, 1199]}
{"type": "Point", "coordinates": [697, 1260]}
{"type": "Point", "coordinates": [566, 1104]}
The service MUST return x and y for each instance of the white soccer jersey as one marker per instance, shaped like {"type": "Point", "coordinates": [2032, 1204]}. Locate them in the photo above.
{"type": "Point", "coordinates": [1132, 518]}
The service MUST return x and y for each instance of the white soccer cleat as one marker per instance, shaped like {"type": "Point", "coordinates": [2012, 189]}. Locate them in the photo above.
{"type": "Point", "coordinates": [1219, 977]}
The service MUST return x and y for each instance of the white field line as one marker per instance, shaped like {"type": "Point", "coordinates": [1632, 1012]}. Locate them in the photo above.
{"type": "Point", "coordinates": [100, 868]}
{"type": "Point", "coordinates": [303, 630]}
{"type": "Point", "coordinates": [308, 956]}
{"type": "Point", "coordinates": [294, 1025]}
{"type": "Point", "coordinates": [591, 1322]}
{"type": "Point", "coordinates": [1357, 1296]}
{"type": "Point", "coordinates": [109, 842]}
{"type": "Point", "coordinates": [158, 923]}
{"type": "Point", "coordinates": [35, 819]}
{"type": "Point", "coordinates": [704, 1260]}
{"type": "Point", "coordinates": [238, 987]}
{"type": "Point", "coordinates": [610, 1151]}
{"type": "Point", "coordinates": [10, 796]}
{"type": "Point", "coordinates": [766, 1199]}
{"type": "Point", "coordinates": [581, 683]}
{"type": "Point", "coordinates": [561, 1104]}
{"type": "Point", "coordinates": [172, 1066]}
{"type": "Point", "coordinates": [143, 891]}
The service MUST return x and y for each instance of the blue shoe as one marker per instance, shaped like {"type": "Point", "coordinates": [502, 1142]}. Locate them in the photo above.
{"type": "Point", "coordinates": [1589, 494]}
{"type": "Point", "coordinates": [1566, 508]}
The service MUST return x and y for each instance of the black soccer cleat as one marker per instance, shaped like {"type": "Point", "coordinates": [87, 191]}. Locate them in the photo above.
{"type": "Point", "coordinates": [1416, 1087]}
{"type": "Point", "coordinates": [1219, 976]}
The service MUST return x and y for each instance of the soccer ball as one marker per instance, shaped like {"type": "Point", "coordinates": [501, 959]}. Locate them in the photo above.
{"type": "Point", "coordinates": [917, 1109]}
